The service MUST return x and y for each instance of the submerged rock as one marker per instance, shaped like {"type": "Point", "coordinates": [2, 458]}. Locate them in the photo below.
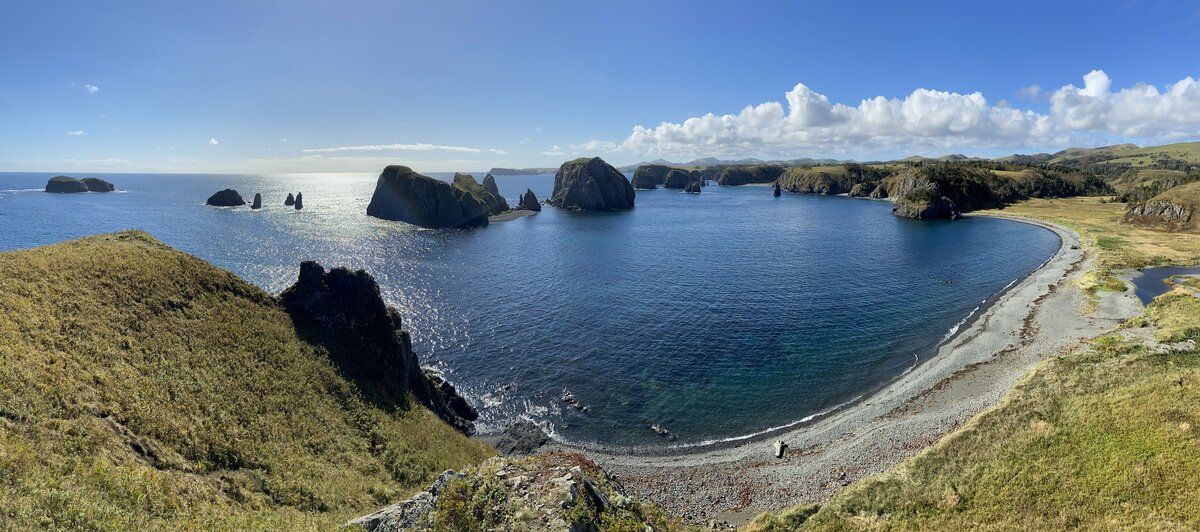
{"type": "Point", "coordinates": [62, 184]}
{"type": "Point", "coordinates": [291, 200]}
{"type": "Point", "coordinates": [226, 198]}
{"type": "Point", "coordinates": [693, 187]}
{"type": "Point", "coordinates": [404, 195]}
{"type": "Point", "coordinates": [299, 201]}
{"type": "Point", "coordinates": [257, 204]}
{"type": "Point", "coordinates": [529, 202]}
{"type": "Point", "coordinates": [496, 204]}
{"type": "Point", "coordinates": [344, 310]}
{"type": "Point", "coordinates": [590, 184]}
{"type": "Point", "coordinates": [95, 184]}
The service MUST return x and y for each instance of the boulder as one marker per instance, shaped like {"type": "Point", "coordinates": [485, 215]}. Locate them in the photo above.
{"type": "Point", "coordinates": [299, 201]}
{"type": "Point", "coordinates": [692, 187]}
{"type": "Point", "coordinates": [529, 202]}
{"type": "Point", "coordinates": [406, 196]}
{"type": "Point", "coordinates": [291, 200]}
{"type": "Point", "coordinates": [521, 438]}
{"type": "Point", "coordinates": [677, 178]}
{"type": "Point", "coordinates": [650, 176]}
{"type": "Point", "coordinates": [226, 198]}
{"type": "Point", "coordinates": [489, 184]}
{"type": "Point", "coordinates": [496, 203]}
{"type": "Point", "coordinates": [590, 184]}
{"type": "Point", "coordinates": [95, 184]}
{"type": "Point", "coordinates": [257, 204]}
{"type": "Point", "coordinates": [343, 309]}
{"type": "Point", "coordinates": [62, 184]}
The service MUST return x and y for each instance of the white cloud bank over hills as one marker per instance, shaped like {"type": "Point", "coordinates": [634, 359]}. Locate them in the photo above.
{"type": "Point", "coordinates": [928, 119]}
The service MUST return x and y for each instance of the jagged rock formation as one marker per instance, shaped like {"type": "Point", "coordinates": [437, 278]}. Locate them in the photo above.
{"type": "Point", "coordinates": [404, 195]}
{"type": "Point", "coordinates": [291, 200]}
{"type": "Point", "coordinates": [496, 203]}
{"type": "Point", "coordinates": [257, 204]}
{"type": "Point", "coordinates": [529, 202]}
{"type": "Point", "coordinates": [226, 198]}
{"type": "Point", "coordinates": [556, 491]}
{"type": "Point", "coordinates": [489, 184]}
{"type": "Point", "coordinates": [95, 184]}
{"type": "Point", "coordinates": [692, 187]}
{"type": "Point", "coordinates": [62, 184]}
{"type": "Point", "coordinates": [344, 308]}
{"type": "Point", "coordinates": [590, 184]}
{"type": "Point", "coordinates": [650, 176]}
{"type": "Point", "coordinates": [1173, 210]}
{"type": "Point", "coordinates": [299, 201]}
{"type": "Point", "coordinates": [744, 175]}
{"type": "Point", "coordinates": [677, 178]}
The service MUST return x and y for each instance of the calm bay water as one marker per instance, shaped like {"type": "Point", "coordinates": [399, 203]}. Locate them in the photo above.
{"type": "Point", "coordinates": [714, 316]}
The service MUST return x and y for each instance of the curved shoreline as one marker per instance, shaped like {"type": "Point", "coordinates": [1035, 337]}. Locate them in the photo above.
{"type": "Point", "coordinates": [1039, 315]}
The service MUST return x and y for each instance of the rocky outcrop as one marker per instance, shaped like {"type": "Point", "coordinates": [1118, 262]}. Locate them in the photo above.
{"type": "Point", "coordinates": [745, 175]}
{"type": "Point", "coordinates": [650, 176]}
{"type": "Point", "coordinates": [226, 198]}
{"type": "Point", "coordinates": [489, 184]}
{"type": "Point", "coordinates": [692, 187]}
{"type": "Point", "coordinates": [344, 310]}
{"type": "Point", "coordinates": [406, 196]}
{"type": "Point", "coordinates": [590, 184]}
{"type": "Point", "coordinates": [496, 204]}
{"type": "Point", "coordinates": [556, 491]}
{"type": "Point", "coordinates": [678, 178]}
{"type": "Point", "coordinates": [291, 200]}
{"type": "Point", "coordinates": [529, 202]}
{"type": "Point", "coordinates": [1173, 210]}
{"type": "Point", "coordinates": [257, 203]}
{"type": "Point", "coordinates": [95, 184]}
{"type": "Point", "coordinates": [62, 184]}
{"type": "Point", "coordinates": [925, 205]}
{"type": "Point", "coordinates": [861, 190]}
{"type": "Point", "coordinates": [299, 201]}
{"type": "Point", "coordinates": [777, 191]}
{"type": "Point", "coordinates": [521, 438]}
{"type": "Point", "coordinates": [879, 192]}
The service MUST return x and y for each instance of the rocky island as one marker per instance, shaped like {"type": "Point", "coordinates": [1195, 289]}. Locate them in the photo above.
{"type": "Point", "coordinates": [590, 184]}
{"type": "Point", "coordinates": [67, 185]}
{"type": "Point", "coordinates": [226, 198]}
{"type": "Point", "coordinates": [406, 196]}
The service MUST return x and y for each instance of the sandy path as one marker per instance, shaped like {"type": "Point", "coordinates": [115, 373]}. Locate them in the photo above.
{"type": "Point", "coordinates": [1040, 316]}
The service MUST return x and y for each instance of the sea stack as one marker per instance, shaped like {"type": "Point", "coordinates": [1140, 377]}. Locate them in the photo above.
{"type": "Point", "coordinates": [226, 198]}
{"type": "Point", "coordinates": [257, 204]}
{"type": "Point", "coordinates": [489, 184]}
{"type": "Point", "coordinates": [406, 196]}
{"type": "Point", "coordinates": [590, 184]}
{"type": "Point", "coordinates": [777, 190]}
{"type": "Point", "coordinates": [529, 202]}
{"type": "Point", "coordinates": [299, 201]}
{"type": "Point", "coordinates": [62, 184]}
{"type": "Point", "coordinates": [291, 200]}
{"type": "Point", "coordinates": [496, 203]}
{"type": "Point", "coordinates": [692, 188]}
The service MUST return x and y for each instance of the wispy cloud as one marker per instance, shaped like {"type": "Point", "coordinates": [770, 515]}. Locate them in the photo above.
{"type": "Point", "coordinates": [212, 141]}
{"type": "Point", "coordinates": [1032, 92]}
{"type": "Point", "coordinates": [498, 152]}
{"type": "Point", "coordinates": [77, 133]}
{"type": "Point", "coordinates": [595, 146]}
{"type": "Point", "coordinates": [420, 146]}
{"type": "Point", "coordinates": [92, 89]}
{"type": "Point", "coordinates": [554, 150]}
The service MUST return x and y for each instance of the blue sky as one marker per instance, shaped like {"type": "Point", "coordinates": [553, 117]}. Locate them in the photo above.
{"type": "Point", "coordinates": [289, 86]}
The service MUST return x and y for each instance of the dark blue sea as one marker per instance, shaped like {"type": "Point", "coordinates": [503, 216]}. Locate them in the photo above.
{"type": "Point", "coordinates": [715, 316]}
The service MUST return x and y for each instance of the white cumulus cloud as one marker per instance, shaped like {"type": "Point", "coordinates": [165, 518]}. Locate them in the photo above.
{"type": "Point", "coordinates": [77, 133]}
{"type": "Point", "coordinates": [212, 141]}
{"type": "Point", "coordinates": [420, 146]}
{"type": "Point", "coordinates": [92, 89]}
{"type": "Point", "coordinates": [927, 118]}
{"type": "Point", "coordinates": [554, 150]}
{"type": "Point", "coordinates": [595, 146]}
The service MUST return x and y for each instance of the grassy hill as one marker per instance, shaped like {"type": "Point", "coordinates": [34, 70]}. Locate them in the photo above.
{"type": "Point", "coordinates": [1131, 155]}
{"type": "Point", "coordinates": [143, 388]}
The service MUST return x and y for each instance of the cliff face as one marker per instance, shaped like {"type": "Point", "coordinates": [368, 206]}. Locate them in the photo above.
{"type": "Point", "coordinates": [744, 175]}
{"type": "Point", "coordinates": [650, 176]}
{"type": "Point", "coordinates": [344, 308]}
{"type": "Point", "coordinates": [404, 195]}
{"type": "Point", "coordinates": [590, 184]}
{"type": "Point", "coordinates": [1173, 210]}
{"type": "Point", "coordinates": [678, 178]}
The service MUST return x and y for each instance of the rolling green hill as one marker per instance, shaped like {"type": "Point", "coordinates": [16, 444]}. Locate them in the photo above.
{"type": "Point", "coordinates": [142, 388]}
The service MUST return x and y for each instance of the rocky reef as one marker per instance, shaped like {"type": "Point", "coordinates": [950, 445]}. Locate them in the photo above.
{"type": "Point", "coordinates": [496, 203]}
{"type": "Point", "coordinates": [406, 196]}
{"type": "Point", "coordinates": [590, 184]}
{"type": "Point", "coordinates": [62, 184]}
{"type": "Point", "coordinates": [226, 198]}
{"type": "Point", "coordinates": [529, 202]}
{"type": "Point", "coordinates": [344, 308]}
{"type": "Point", "coordinates": [1173, 210]}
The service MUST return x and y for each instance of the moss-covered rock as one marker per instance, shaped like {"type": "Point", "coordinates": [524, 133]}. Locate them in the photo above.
{"type": "Point", "coordinates": [404, 195]}
{"type": "Point", "coordinates": [61, 184]}
{"type": "Point", "coordinates": [590, 184]}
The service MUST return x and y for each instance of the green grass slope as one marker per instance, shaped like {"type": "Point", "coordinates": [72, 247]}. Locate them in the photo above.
{"type": "Point", "coordinates": [142, 388]}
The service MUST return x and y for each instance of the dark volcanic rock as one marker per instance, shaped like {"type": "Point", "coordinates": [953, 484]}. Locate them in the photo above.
{"type": "Point", "coordinates": [95, 184]}
{"type": "Point", "coordinates": [299, 201]}
{"type": "Point", "coordinates": [62, 184]}
{"type": "Point", "coordinates": [529, 202]}
{"type": "Point", "coordinates": [496, 203]}
{"type": "Point", "coordinates": [521, 438]}
{"type": "Point", "coordinates": [590, 184]}
{"type": "Point", "coordinates": [693, 187]}
{"type": "Point", "coordinates": [650, 176]}
{"type": "Point", "coordinates": [489, 184]}
{"type": "Point", "coordinates": [257, 204]}
{"type": "Point", "coordinates": [291, 200]}
{"type": "Point", "coordinates": [677, 178]}
{"type": "Point", "coordinates": [226, 198]}
{"type": "Point", "coordinates": [404, 195]}
{"type": "Point", "coordinates": [343, 310]}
